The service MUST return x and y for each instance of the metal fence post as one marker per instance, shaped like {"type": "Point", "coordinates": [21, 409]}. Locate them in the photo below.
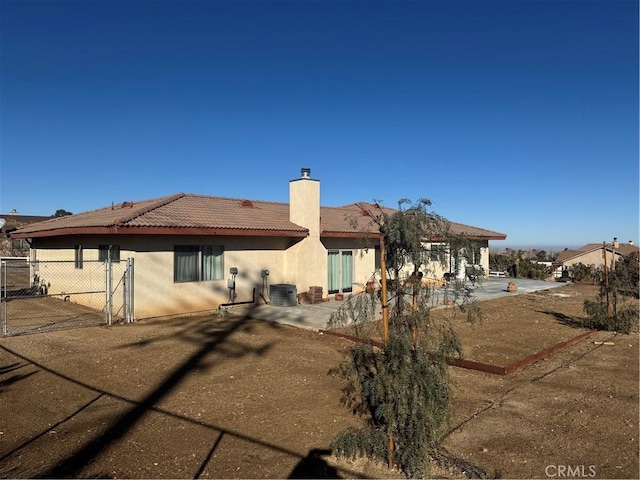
{"type": "Point", "coordinates": [127, 289]}
{"type": "Point", "coordinates": [125, 293]}
{"type": "Point", "coordinates": [108, 289]}
{"type": "Point", "coordinates": [3, 276]}
{"type": "Point", "coordinates": [132, 285]}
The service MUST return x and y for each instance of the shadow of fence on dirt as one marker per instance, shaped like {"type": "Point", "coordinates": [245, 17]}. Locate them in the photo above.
{"type": "Point", "coordinates": [13, 378]}
{"type": "Point", "coordinates": [51, 427]}
{"type": "Point", "coordinates": [210, 337]}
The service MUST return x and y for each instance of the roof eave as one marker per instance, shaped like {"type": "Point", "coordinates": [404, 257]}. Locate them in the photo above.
{"type": "Point", "coordinates": [338, 234]}
{"type": "Point", "coordinates": [128, 230]}
{"type": "Point", "coordinates": [356, 234]}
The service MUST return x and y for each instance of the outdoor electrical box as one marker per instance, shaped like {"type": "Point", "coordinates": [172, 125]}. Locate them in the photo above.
{"type": "Point", "coordinates": [265, 273]}
{"type": "Point", "coordinates": [231, 283]}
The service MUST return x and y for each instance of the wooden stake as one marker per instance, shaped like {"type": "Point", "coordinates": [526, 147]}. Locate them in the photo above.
{"type": "Point", "coordinates": [414, 304]}
{"type": "Point", "coordinates": [606, 278]}
{"type": "Point", "coordinates": [383, 299]}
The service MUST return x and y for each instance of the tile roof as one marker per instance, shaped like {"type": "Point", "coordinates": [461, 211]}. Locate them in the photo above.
{"type": "Point", "coordinates": [200, 214]}
{"type": "Point", "coordinates": [623, 249]}
{"type": "Point", "coordinates": [339, 220]}
{"type": "Point", "coordinates": [567, 254]}
{"type": "Point", "coordinates": [628, 249]}
{"type": "Point", "coordinates": [180, 214]}
{"type": "Point", "coordinates": [13, 221]}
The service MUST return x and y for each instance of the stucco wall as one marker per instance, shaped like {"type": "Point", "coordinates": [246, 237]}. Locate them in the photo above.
{"type": "Point", "coordinates": [594, 257]}
{"type": "Point", "coordinates": [156, 294]}
{"type": "Point", "coordinates": [56, 270]}
{"type": "Point", "coordinates": [363, 259]}
{"type": "Point", "coordinates": [299, 262]}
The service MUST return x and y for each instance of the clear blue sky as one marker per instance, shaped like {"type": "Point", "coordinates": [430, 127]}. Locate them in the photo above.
{"type": "Point", "coordinates": [519, 116]}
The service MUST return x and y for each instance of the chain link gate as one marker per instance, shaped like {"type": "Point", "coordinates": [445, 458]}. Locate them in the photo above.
{"type": "Point", "coordinates": [38, 296]}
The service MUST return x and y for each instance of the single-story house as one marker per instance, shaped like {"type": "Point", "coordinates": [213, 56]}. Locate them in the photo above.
{"type": "Point", "coordinates": [593, 254]}
{"type": "Point", "coordinates": [196, 252]}
{"type": "Point", "coordinates": [9, 223]}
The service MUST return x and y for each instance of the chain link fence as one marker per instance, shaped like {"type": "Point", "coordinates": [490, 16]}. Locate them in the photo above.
{"type": "Point", "coordinates": [40, 296]}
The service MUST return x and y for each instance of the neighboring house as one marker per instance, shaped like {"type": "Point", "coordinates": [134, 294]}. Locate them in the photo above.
{"type": "Point", "coordinates": [593, 254]}
{"type": "Point", "coordinates": [186, 248]}
{"type": "Point", "coordinates": [10, 222]}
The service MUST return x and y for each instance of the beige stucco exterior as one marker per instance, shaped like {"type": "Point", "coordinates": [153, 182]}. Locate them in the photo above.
{"type": "Point", "coordinates": [594, 257]}
{"type": "Point", "coordinates": [156, 293]}
{"type": "Point", "coordinates": [305, 261]}
{"type": "Point", "coordinates": [302, 262]}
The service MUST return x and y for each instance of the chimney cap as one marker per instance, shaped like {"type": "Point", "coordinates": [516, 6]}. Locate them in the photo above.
{"type": "Point", "coordinates": [305, 172]}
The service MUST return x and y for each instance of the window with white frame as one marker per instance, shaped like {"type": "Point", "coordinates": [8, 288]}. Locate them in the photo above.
{"type": "Point", "coordinates": [197, 263]}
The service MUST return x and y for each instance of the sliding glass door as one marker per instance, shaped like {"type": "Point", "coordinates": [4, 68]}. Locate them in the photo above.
{"type": "Point", "coordinates": [340, 268]}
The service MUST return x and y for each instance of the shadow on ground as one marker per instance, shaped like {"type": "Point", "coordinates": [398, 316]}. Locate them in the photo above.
{"type": "Point", "coordinates": [207, 337]}
{"type": "Point", "coordinates": [564, 319]}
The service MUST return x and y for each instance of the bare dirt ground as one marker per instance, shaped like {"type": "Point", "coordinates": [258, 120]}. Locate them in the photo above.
{"type": "Point", "coordinates": [207, 397]}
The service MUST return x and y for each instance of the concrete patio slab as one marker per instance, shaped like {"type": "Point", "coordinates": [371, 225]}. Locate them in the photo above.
{"type": "Point", "coordinates": [316, 316]}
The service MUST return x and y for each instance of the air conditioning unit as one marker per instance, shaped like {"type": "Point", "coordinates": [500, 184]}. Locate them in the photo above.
{"type": "Point", "coordinates": [283, 295]}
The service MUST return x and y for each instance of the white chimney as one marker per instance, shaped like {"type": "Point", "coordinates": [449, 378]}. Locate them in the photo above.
{"type": "Point", "coordinates": [630, 242]}
{"type": "Point", "coordinates": [615, 242]}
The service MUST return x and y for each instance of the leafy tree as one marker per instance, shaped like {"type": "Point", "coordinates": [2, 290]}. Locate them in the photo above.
{"type": "Point", "coordinates": [62, 213]}
{"type": "Point", "coordinates": [587, 274]}
{"type": "Point", "coordinates": [499, 262]}
{"type": "Point", "coordinates": [401, 391]}
{"type": "Point", "coordinates": [520, 263]}
{"type": "Point", "coordinates": [541, 256]}
{"type": "Point", "coordinates": [627, 275]}
{"type": "Point", "coordinates": [531, 269]}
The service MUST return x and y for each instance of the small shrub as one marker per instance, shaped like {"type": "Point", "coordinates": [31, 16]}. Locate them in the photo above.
{"type": "Point", "coordinates": [624, 320]}
{"type": "Point", "coordinates": [612, 310]}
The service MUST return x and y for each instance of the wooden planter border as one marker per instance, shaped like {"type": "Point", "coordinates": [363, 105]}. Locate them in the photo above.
{"type": "Point", "coordinates": [483, 367]}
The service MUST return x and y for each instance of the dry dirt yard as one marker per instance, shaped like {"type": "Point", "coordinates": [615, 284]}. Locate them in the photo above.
{"type": "Point", "coordinates": [208, 397]}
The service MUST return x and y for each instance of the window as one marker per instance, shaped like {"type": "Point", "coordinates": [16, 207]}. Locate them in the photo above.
{"type": "Point", "coordinates": [195, 263]}
{"type": "Point", "coordinates": [103, 252]}
{"type": "Point", "coordinates": [19, 244]}
{"type": "Point", "coordinates": [438, 253]}
{"type": "Point", "coordinates": [78, 256]}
